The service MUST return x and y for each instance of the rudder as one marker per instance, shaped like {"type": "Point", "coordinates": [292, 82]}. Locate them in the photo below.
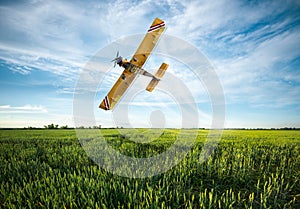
{"type": "Point", "coordinates": [159, 74]}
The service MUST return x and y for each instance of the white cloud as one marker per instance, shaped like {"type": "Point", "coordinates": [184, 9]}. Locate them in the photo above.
{"type": "Point", "coordinates": [35, 120]}
{"type": "Point", "coordinates": [256, 77]}
{"type": "Point", "coordinates": [26, 109]}
{"type": "Point", "coordinates": [55, 36]}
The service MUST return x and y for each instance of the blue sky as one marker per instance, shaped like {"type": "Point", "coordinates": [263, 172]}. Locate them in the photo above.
{"type": "Point", "coordinates": [252, 45]}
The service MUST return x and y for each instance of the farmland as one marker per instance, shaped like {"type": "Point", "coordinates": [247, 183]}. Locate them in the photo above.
{"type": "Point", "coordinates": [248, 169]}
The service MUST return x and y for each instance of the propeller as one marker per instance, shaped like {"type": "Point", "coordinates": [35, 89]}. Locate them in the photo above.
{"type": "Point", "coordinates": [116, 59]}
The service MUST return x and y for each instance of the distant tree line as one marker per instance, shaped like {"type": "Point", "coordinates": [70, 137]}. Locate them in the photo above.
{"type": "Point", "coordinates": [284, 128]}
{"type": "Point", "coordinates": [56, 126]}
{"type": "Point", "coordinates": [52, 126]}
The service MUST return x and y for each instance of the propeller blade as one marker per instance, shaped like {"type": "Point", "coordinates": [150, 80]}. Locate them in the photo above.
{"type": "Point", "coordinates": [115, 60]}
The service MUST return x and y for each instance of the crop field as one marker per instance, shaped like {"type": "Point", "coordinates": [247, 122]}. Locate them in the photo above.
{"type": "Point", "coordinates": [248, 169]}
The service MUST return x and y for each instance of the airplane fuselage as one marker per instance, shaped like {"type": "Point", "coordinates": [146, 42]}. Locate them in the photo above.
{"type": "Point", "coordinates": [133, 68]}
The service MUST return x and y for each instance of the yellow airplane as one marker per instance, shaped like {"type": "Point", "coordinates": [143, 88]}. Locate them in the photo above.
{"type": "Point", "coordinates": [134, 67]}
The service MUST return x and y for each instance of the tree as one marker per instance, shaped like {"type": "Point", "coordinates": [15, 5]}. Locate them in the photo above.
{"type": "Point", "coordinates": [51, 126]}
{"type": "Point", "coordinates": [64, 127]}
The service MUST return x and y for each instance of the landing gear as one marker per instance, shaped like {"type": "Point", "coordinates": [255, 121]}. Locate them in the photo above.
{"type": "Point", "coordinates": [123, 76]}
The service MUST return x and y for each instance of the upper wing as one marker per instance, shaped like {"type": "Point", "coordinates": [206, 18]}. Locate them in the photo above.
{"type": "Point", "coordinates": [148, 43]}
{"type": "Point", "coordinates": [117, 90]}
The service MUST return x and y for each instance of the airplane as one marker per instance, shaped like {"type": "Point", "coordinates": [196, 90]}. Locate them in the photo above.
{"type": "Point", "coordinates": [135, 66]}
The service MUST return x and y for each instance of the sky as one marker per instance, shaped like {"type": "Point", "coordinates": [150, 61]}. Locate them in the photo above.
{"type": "Point", "coordinates": [252, 46]}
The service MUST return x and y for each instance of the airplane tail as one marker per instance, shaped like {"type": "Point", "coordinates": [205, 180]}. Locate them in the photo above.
{"type": "Point", "coordinates": [159, 74]}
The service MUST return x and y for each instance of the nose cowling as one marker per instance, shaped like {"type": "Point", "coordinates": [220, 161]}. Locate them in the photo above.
{"type": "Point", "coordinates": [119, 60]}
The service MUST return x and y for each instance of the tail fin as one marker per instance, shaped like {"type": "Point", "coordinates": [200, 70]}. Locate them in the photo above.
{"type": "Point", "coordinates": [159, 74]}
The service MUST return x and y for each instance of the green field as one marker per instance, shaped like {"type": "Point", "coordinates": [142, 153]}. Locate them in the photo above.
{"type": "Point", "coordinates": [249, 169]}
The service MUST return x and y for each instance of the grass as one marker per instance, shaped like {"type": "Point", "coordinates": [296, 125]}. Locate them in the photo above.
{"type": "Point", "coordinates": [249, 169]}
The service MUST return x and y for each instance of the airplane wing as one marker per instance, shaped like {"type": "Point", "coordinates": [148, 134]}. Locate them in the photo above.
{"type": "Point", "coordinates": [144, 50]}
{"type": "Point", "coordinates": [117, 90]}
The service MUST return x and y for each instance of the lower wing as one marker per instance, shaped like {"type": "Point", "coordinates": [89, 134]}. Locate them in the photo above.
{"type": "Point", "coordinates": [117, 91]}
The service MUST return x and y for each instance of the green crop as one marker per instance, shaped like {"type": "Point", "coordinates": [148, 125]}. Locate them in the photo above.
{"type": "Point", "coordinates": [248, 169]}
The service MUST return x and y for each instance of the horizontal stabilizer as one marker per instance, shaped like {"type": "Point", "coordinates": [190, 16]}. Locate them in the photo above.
{"type": "Point", "coordinates": [159, 74]}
